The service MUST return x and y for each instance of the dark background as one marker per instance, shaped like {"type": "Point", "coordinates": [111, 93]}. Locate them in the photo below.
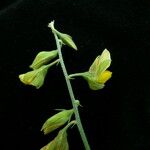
{"type": "Point", "coordinates": [115, 118]}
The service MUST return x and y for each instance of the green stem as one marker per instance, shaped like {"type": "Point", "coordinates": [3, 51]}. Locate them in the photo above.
{"type": "Point", "coordinates": [53, 63]}
{"type": "Point", "coordinates": [72, 123]}
{"type": "Point", "coordinates": [73, 100]}
{"type": "Point", "coordinates": [76, 75]}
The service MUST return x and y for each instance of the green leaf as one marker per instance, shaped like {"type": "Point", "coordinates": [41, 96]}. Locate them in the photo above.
{"type": "Point", "coordinates": [43, 58]}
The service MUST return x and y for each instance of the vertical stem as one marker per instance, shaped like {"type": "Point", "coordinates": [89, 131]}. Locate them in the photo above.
{"type": "Point", "coordinates": [73, 100]}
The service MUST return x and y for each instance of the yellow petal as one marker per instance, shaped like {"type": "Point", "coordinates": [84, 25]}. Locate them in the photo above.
{"type": "Point", "coordinates": [105, 76]}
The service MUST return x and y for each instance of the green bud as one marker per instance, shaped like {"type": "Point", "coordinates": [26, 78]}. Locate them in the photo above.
{"type": "Point", "coordinates": [35, 77]}
{"type": "Point", "coordinates": [43, 58]}
{"type": "Point", "coordinates": [57, 121]}
{"type": "Point", "coordinates": [66, 39]}
{"type": "Point", "coordinates": [60, 142]}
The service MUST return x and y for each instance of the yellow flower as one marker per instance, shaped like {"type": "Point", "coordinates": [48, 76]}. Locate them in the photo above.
{"type": "Point", "coordinates": [97, 75]}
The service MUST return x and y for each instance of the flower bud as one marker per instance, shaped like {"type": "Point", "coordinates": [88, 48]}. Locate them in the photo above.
{"type": "Point", "coordinates": [66, 39]}
{"type": "Point", "coordinates": [60, 142]}
{"type": "Point", "coordinates": [57, 121]}
{"type": "Point", "coordinates": [35, 77]}
{"type": "Point", "coordinates": [43, 58]}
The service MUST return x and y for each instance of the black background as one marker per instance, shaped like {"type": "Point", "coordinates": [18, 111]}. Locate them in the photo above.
{"type": "Point", "coordinates": [115, 118]}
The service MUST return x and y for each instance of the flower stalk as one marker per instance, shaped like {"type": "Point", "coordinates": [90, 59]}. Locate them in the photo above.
{"type": "Point", "coordinates": [70, 90]}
